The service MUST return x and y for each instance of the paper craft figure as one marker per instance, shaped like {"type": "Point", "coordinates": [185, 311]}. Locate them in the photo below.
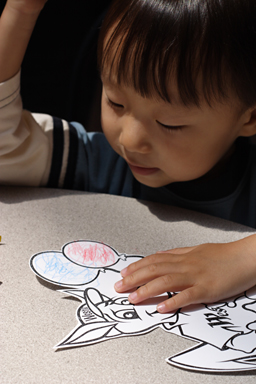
{"type": "Point", "coordinates": [226, 332]}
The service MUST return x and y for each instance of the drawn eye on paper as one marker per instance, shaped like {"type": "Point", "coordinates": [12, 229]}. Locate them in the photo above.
{"type": "Point", "coordinates": [225, 332]}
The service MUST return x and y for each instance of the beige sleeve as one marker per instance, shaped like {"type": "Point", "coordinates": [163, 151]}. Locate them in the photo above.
{"type": "Point", "coordinates": [25, 140]}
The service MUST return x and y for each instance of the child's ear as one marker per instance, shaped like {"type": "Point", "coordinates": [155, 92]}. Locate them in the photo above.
{"type": "Point", "coordinates": [249, 125]}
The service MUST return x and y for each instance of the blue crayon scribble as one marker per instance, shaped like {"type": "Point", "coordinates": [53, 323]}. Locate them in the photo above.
{"type": "Point", "coordinates": [54, 266]}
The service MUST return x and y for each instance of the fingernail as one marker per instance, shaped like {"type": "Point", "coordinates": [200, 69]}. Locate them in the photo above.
{"type": "Point", "coordinates": [123, 272]}
{"type": "Point", "coordinates": [118, 284]}
{"type": "Point", "coordinates": [161, 308]}
{"type": "Point", "coordinates": [133, 296]}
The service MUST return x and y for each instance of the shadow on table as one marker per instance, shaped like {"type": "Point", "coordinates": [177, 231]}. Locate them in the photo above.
{"type": "Point", "coordinates": [16, 195]}
{"type": "Point", "coordinates": [55, 287]}
{"type": "Point", "coordinates": [177, 214]}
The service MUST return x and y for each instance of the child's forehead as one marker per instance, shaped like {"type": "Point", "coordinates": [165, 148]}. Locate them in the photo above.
{"type": "Point", "coordinates": [175, 103]}
{"type": "Point", "coordinates": [112, 81]}
{"type": "Point", "coordinates": [123, 64]}
{"type": "Point", "coordinates": [157, 84]}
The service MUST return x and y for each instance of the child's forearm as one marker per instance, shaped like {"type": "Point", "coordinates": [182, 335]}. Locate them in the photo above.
{"type": "Point", "coordinates": [16, 28]}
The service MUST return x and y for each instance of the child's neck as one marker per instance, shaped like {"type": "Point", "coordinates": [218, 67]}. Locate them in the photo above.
{"type": "Point", "coordinates": [221, 165]}
{"type": "Point", "coordinates": [221, 180]}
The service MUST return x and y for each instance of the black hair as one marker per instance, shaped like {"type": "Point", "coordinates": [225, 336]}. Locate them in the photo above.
{"type": "Point", "coordinates": [212, 42]}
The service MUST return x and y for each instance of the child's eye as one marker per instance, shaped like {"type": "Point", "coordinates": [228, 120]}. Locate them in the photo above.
{"type": "Point", "coordinates": [114, 105]}
{"type": "Point", "coordinates": [171, 127]}
{"type": "Point", "coordinates": [128, 315]}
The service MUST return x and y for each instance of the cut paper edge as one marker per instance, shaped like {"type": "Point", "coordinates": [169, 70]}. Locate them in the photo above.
{"type": "Point", "coordinates": [214, 360]}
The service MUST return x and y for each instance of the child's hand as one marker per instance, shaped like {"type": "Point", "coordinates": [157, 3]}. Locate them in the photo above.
{"type": "Point", "coordinates": [204, 273]}
{"type": "Point", "coordinates": [26, 6]}
{"type": "Point", "coordinates": [16, 26]}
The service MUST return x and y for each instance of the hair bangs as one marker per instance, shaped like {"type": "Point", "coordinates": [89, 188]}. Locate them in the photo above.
{"type": "Point", "coordinates": [155, 46]}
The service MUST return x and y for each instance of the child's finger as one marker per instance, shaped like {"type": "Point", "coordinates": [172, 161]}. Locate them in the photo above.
{"type": "Point", "coordinates": [191, 295]}
{"type": "Point", "coordinates": [146, 272]}
{"type": "Point", "coordinates": [158, 286]}
{"type": "Point", "coordinates": [142, 276]}
{"type": "Point", "coordinates": [138, 265]}
{"type": "Point", "coordinates": [148, 260]}
{"type": "Point", "coordinates": [178, 251]}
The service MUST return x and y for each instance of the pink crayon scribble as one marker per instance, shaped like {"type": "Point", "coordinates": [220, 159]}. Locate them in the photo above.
{"type": "Point", "coordinates": [90, 254]}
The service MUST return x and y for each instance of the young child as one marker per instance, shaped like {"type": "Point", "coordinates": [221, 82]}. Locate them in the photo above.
{"type": "Point", "coordinates": [178, 112]}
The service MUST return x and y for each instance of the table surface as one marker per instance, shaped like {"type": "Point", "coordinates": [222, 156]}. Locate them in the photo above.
{"type": "Point", "coordinates": [34, 318]}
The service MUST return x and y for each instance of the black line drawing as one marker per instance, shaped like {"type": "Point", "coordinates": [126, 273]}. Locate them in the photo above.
{"type": "Point", "coordinates": [225, 331]}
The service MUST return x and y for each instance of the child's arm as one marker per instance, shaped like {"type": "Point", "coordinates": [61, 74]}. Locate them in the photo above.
{"type": "Point", "coordinates": [203, 274]}
{"type": "Point", "coordinates": [25, 140]}
{"type": "Point", "coordinates": [16, 25]}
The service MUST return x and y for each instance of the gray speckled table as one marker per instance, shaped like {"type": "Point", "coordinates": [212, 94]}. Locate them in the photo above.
{"type": "Point", "coordinates": [34, 318]}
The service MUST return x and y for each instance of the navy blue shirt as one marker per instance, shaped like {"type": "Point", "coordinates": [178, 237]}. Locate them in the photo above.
{"type": "Point", "coordinates": [93, 166]}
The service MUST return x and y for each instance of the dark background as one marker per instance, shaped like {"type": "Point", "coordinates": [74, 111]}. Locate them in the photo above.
{"type": "Point", "coordinates": [59, 73]}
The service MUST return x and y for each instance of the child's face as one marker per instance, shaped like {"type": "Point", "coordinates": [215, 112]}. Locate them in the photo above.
{"type": "Point", "coordinates": [165, 143]}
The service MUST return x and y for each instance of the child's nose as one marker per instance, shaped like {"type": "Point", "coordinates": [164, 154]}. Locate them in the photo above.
{"type": "Point", "coordinates": [134, 136]}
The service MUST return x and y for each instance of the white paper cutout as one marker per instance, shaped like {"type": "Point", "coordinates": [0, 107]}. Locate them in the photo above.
{"type": "Point", "coordinates": [226, 332]}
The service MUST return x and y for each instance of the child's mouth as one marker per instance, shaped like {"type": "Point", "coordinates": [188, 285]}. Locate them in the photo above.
{"type": "Point", "coordinates": [142, 170]}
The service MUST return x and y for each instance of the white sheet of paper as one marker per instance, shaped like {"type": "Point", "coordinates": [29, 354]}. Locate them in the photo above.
{"type": "Point", "coordinates": [226, 332]}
